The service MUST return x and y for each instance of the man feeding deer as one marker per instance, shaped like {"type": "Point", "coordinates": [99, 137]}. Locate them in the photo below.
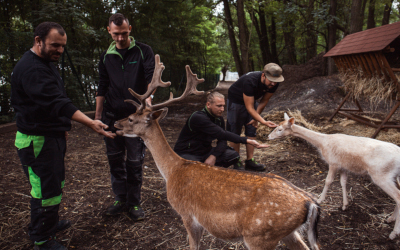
{"type": "Point", "coordinates": [126, 64]}
{"type": "Point", "coordinates": [205, 126]}
{"type": "Point", "coordinates": [243, 109]}
{"type": "Point", "coordinates": [44, 114]}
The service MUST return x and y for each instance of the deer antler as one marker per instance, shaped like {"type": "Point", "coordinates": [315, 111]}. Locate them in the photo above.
{"type": "Point", "coordinates": [154, 84]}
{"type": "Point", "coordinates": [192, 82]}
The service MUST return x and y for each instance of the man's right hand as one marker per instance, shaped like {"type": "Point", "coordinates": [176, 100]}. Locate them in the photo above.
{"type": "Point", "coordinates": [99, 127]}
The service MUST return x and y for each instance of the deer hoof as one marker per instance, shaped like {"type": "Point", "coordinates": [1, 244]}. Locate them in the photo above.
{"type": "Point", "coordinates": [344, 207]}
{"type": "Point", "coordinates": [319, 201]}
{"type": "Point", "coordinates": [391, 219]}
{"type": "Point", "coordinates": [392, 235]}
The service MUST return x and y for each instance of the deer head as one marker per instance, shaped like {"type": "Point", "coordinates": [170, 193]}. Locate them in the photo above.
{"type": "Point", "coordinates": [135, 125]}
{"type": "Point", "coordinates": [284, 128]}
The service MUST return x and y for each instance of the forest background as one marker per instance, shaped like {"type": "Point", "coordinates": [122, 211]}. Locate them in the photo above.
{"type": "Point", "coordinates": [211, 36]}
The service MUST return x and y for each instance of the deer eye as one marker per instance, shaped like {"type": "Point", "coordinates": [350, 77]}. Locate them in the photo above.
{"type": "Point", "coordinates": [130, 120]}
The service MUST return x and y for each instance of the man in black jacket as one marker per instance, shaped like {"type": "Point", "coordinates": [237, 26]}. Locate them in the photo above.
{"type": "Point", "coordinates": [126, 64]}
{"type": "Point", "coordinates": [205, 126]}
{"type": "Point", "coordinates": [43, 114]}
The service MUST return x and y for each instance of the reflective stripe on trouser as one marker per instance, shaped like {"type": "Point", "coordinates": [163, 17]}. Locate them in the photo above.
{"type": "Point", "coordinates": [125, 156]}
{"type": "Point", "coordinates": [42, 159]}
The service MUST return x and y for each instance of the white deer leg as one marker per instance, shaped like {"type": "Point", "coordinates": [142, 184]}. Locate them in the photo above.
{"type": "Point", "coordinates": [294, 242]}
{"type": "Point", "coordinates": [391, 189]}
{"type": "Point", "coordinates": [343, 180]}
{"type": "Point", "coordinates": [329, 179]}
{"type": "Point", "coordinates": [394, 215]}
{"type": "Point", "coordinates": [194, 230]}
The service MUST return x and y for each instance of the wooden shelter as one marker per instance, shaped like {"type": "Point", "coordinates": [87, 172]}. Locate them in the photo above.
{"type": "Point", "coordinates": [376, 52]}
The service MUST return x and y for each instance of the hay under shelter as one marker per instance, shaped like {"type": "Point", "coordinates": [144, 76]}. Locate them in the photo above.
{"type": "Point", "coordinates": [368, 62]}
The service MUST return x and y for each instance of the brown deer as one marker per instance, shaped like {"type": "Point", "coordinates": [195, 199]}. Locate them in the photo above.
{"type": "Point", "coordinates": [260, 209]}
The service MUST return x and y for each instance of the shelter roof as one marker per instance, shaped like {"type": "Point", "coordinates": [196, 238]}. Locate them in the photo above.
{"type": "Point", "coordinates": [370, 40]}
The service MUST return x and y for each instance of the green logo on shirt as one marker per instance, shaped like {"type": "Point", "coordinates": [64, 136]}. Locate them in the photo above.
{"type": "Point", "coordinates": [132, 62]}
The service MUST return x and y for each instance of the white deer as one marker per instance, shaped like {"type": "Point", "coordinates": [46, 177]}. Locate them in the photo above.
{"type": "Point", "coordinates": [360, 155]}
{"type": "Point", "coordinates": [260, 209]}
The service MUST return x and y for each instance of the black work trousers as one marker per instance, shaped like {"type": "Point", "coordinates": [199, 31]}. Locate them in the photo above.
{"type": "Point", "coordinates": [125, 157]}
{"type": "Point", "coordinates": [226, 159]}
{"type": "Point", "coordinates": [42, 159]}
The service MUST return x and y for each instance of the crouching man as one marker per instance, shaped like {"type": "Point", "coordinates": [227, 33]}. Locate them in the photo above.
{"type": "Point", "coordinates": [205, 126]}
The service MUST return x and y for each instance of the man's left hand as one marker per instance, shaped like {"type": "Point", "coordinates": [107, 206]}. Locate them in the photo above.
{"type": "Point", "coordinates": [99, 127]}
{"type": "Point", "coordinates": [211, 160]}
{"type": "Point", "coordinates": [270, 124]}
{"type": "Point", "coordinates": [254, 123]}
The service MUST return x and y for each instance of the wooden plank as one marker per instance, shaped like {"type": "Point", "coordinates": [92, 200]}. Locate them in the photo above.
{"type": "Point", "coordinates": [386, 119]}
{"type": "Point", "coordinates": [369, 63]}
{"type": "Point", "coordinates": [340, 105]}
{"type": "Point", "coordinates": [361, 64]}
{"type": "Point", "coordinates": [381, 66]}
{"type": "Point", "coordinates": [375, 63]}
{"type": "Point", "coordinates": [390, 72]}
{"type": "Point", "coordinates": [357, 119]}
{"type": "Point", "coordinates": [395, 70]}
{"type": "Point", "coordinates": [366, 66]}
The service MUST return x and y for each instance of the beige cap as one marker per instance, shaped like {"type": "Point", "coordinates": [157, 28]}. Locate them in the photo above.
{"type": "Point", "coordinates": [273, 72]}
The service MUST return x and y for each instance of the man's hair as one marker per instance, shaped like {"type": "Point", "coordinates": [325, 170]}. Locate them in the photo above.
{"type": "Point", "coordinates": [212, 95]}
{"type": "Point", "coordinates": [43, 29]}
{"type": "Point", "coordinates": [118, 19]}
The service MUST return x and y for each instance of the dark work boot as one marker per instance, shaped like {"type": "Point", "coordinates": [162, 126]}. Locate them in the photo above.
{"type": "Point", "coordinates": [50, 244]}
{"type": "Point", "coordinates": [254, 166]}
{"type": "Point", "coordinates": [63, 225]}
{"type": "Point", "coordinates": [238, 165]}
{"type": "Point", "coordinates": [115, 208]}
{"type": "Point", "coordinates": [136, 213]}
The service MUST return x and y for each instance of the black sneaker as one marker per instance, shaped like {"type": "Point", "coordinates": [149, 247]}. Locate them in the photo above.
{"type": "Point", "coordinates": [254, 166]}
{"type": "Point", "coordinates": [115, 208]}
{"type": "Point", "coordinates": [136, 213]}
{"type": "Point", "coordinates": [50, 244]}
{"type": "Point", "coordinates": [63, 225]}
{"type": "Point", "coordinates": [238, 165]}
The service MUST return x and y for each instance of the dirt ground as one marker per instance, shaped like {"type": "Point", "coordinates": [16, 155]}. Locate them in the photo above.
{"type": "Point", "coordinates": [87, 190]}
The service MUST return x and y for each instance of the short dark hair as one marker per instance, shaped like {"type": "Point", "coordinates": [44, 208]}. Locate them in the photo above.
{"type": "Point", "coordinates": [212, 95]}
{"type": "Point", "coordinates": [43, 29]}
{"type": "Point", "coordinates": [117, 19]}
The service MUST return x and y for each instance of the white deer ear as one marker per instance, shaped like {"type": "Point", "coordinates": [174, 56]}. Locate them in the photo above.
{"type": "Point", "coordinates": [159, 114]}
{"type": "Point", "coordinates": [286, 116]}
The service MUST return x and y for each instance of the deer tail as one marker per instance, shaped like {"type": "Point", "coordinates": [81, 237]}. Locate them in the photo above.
{"type": "Point", "coordinates": [312, 219]}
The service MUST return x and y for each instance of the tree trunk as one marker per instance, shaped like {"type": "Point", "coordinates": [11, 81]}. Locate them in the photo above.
{"type": "Point", "coordinates": [371, 15]}
{"type": "Point", "coordinates": [355, 19]}
{"type": "Point", "coordinates": [311, 38]}
{"type": "Point", "coordinates": [332, 35]}
{"type": "Point", "coordinates": [232, 39]}
{"type": "Point", "coordinates": [243, 36]}
{"type": "Point", "coordinates": [261, 29]}
{"type": "Point", "coordinates": [386, 13]}
{"type": "Point", "coordinates": [272, 32]}
{"type": "Point", "coordinates": [288, 28]}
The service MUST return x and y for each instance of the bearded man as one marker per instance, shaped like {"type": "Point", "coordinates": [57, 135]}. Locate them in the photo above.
{"type": "Point", "coordinates": [43, 114]}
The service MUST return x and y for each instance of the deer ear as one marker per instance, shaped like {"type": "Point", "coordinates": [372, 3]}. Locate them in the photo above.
{"type": "Point", "coordinates": [291, 120]}
{"type": "Point", "coordinates": [286, 116]}
{"type": "Point", "coordinates": [159, 114]}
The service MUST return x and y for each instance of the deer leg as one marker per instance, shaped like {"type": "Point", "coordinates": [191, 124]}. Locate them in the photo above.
{"type": "Point", "coordinates": [259, 243]}
{"type": "Point", "coordinates": [394, 215]}
{"type": "Point", "coordinates": [294, 241]}
{"type": "Point", "coordinates": [343, 180]}
{"type": "Point", "coordinates": [329, 179]}
{"type": "Point", "coordinates": [194, 230]}
{"type": "Point", "coordinates": [391, 189]}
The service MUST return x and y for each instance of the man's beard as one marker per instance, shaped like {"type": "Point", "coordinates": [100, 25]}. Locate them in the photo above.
{"type": "Point", "coordinates": [46, 55]}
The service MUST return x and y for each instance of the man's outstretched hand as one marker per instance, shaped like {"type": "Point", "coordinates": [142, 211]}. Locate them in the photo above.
{"type": "Point", "coordinates": [256, 144]}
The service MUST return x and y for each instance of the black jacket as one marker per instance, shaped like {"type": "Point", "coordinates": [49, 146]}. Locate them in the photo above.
{"type": "Point", "coordinates": [200, 130]}
{"type": "Point", "coordinates": [117, 74]}
{"type": "Point", "coordinates": [39, 99]}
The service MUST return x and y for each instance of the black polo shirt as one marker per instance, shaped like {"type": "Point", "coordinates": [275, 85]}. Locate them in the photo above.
{"type": "Point", "coordinates": [249, 84]}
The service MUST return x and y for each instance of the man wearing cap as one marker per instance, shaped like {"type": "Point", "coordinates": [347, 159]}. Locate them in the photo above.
{"type": "Point", "coordinates": [243, 109]}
